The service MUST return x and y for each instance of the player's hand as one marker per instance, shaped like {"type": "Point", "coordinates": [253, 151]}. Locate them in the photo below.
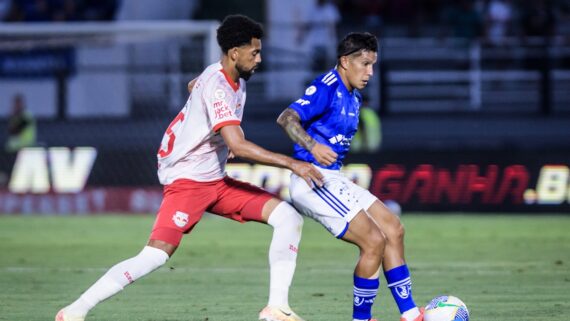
{"type": "Point", "coordinates": [308, 172]}
{"type": "Point", "coordinates": [323, 154]}
{"type": "Point", "coordinates": [231, 155]}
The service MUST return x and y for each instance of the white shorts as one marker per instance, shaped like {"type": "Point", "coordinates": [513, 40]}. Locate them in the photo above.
{"type": "Point", "coordinates": [335, 204]}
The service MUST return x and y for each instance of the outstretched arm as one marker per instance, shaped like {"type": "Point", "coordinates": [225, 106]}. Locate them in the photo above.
{"type": "Point", "coordinates": [290, 121]}
{"type": "Point", "coordinates": [240, 147]}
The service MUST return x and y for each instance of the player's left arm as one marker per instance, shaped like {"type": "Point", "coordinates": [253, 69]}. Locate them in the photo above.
{"type": "Point", "coordinates": [290, 121]}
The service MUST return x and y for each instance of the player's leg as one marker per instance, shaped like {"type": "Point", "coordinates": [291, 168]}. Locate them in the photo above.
{"type": "Point", "coordinates": [394, 264]}
{"type": "Point", "coordinates": [170, 225]}
{"type": "Point", "coordinates": [338, 209]}
{"type": "Point", "coordinates": [364, 233]}
{"type": "Point", "coordinates": [287, 227]}
{"type": "Point", "coordinates": [244, 202]}
{"type": "Point", "coordinates": [113, 281]}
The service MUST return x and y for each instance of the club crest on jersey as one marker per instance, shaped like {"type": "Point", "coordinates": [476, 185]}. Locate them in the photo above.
{"type": "Point", "coordinates": [219, 94]}
{"type": "Point", "coordinates": [311, 90]}
{"type": "Point", "coordinates": [180, 219]}
{"type": "Point", "coordinates": [403, 291]}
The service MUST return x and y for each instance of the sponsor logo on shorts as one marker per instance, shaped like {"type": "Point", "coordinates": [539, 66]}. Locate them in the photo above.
{"type": "Point", "coordinates": [180, 219]}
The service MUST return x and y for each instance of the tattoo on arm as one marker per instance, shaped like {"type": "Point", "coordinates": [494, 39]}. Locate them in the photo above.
{"type": "Point", "coordinates": [291, 123]}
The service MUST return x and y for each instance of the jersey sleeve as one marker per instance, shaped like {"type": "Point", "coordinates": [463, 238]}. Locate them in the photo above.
{"type": "Point", "coordinates": [314, 102]}
{"type": "Point", "coordinates": [220, 103]}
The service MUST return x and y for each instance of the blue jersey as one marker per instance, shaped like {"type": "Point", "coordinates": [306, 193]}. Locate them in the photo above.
{"type": "Point", "coordinates": [329, 114]}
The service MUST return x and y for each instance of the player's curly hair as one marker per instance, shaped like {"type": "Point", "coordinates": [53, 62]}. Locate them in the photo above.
{"type": "Point", "coordinates": [356, 42]}
{"type": "Point", "coordinates": [237, 30]}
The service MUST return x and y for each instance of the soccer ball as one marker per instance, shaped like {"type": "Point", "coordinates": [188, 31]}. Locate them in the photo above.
{"type": "Point", "coordinates": [446, 308]}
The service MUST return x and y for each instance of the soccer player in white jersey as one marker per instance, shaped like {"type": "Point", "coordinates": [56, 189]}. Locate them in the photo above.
{"type": "Point", "coordinates": [322, 123]}
{"type": "Point", "coordinates": [191, 161]}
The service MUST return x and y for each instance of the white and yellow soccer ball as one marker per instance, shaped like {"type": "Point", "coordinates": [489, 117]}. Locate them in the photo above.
{"type": "Point", "coordinates": [446, 308]}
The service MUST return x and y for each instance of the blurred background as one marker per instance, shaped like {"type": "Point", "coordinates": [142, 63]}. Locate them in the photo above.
{"type": "Point", "coordinates": [469, 108]}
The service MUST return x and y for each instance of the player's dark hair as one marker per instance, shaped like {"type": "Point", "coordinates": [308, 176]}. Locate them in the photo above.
{"type": "Point", "coordinates": [237, 30]}
{"type": "Point", "coordinates": [355, 42]}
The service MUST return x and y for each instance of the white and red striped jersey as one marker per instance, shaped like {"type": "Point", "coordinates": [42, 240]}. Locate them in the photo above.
{"type": "Point", "coordinates": [192, 146]}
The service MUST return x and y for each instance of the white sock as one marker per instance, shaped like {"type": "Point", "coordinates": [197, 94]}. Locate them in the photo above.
{"type": "Point", "coordinates": [411, 314]}
{"type": "Point", "coordinates": [116, 278]}
{"type": "Point", "coordinates": [287, 225]}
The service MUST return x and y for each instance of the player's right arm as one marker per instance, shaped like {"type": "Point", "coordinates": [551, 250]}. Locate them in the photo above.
{"type": "Point", "coordinates": [290, 121]}
{"type": "Point", "coordinates": [235, 140]}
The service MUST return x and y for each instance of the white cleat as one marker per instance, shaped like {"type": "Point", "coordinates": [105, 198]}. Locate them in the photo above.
{"type": "Point", "coordinates": [278, 314]}
{"type": "Point", "coordinates": [61, 316]}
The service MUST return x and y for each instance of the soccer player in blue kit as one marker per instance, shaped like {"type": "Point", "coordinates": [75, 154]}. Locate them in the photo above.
{"type": "Point", "coordinates": [322, 124]}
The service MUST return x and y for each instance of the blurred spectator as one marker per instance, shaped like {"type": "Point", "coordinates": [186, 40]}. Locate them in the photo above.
{"type": "Point", "coordinates": [465, 20]}
{"type": "Point", "coordinates": [319, 33]}
{"type": "Point", "coordinates": [368, 137]}
{"type": "Point", "coordinates": [21, 127]}
{"type": "Point", "coordinates": [499, 21]}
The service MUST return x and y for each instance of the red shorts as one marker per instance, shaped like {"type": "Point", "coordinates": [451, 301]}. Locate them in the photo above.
{"type": "Point", "coordinates": [185, 201]}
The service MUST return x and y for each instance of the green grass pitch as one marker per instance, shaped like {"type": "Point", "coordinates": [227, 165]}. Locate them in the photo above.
{"type": "Point", "coordinates": [505, 268]}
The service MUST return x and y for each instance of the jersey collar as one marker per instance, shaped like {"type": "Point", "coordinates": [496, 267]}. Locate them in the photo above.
{"type": "Point", "coordinates": [234, 86]}
{"type": "Point", "coordinates": [341, 83]}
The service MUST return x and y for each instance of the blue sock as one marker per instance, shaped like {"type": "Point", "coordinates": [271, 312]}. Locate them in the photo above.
{"type": "Point", "coordinates": [364, 294]}
{"type": "Point", "coordinates": [400, 284]}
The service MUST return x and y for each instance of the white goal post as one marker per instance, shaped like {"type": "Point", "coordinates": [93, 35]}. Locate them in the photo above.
{"type": "Point", "coordinates": [124, 29]}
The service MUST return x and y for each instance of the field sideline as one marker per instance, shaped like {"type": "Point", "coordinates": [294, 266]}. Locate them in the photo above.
{"type": "Point", "coordinates": [505, 268]}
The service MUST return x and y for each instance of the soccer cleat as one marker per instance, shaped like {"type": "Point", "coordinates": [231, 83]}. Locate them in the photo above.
{"type": "Point", "coordinates": [61, 316]}
{"type": "Point", "coordinates": [278, 314]}
{"type": "Point", "coordinates": [419, 317]}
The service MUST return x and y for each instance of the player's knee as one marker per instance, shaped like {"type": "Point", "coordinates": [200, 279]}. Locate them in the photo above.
{"type": "Point", "coordinates": [397, 233]}
{"type": "Point", "coordinates": [285, 215]}
{"type": "Point", "coordinates": [376, 242]}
